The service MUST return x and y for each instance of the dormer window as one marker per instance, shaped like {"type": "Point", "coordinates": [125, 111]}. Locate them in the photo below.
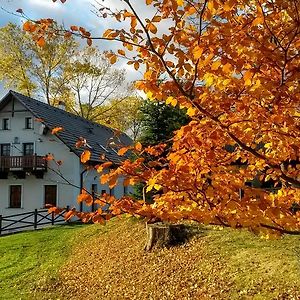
{"type": "Point", "coordinates": [28, 123]}
{"type": "Point", "coordinates": [5, 124]}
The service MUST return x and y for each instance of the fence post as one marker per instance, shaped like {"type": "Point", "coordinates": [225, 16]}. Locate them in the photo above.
{"type": "Point", "coordinates": [52, 217]}
{"type": "Point", "coordinates": [67, 209]}
{"type": "Point", "coordinates": [35, 218]}
{"type": "Point", "coordinates": [0, 224]}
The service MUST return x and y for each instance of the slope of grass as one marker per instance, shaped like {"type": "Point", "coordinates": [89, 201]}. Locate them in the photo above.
{"type": "Point", "coordinates": [32, 258]}
{"type": "Point", "coordinates": [214, 264]}
{"type": "Point", "coordinates": [108, 262]}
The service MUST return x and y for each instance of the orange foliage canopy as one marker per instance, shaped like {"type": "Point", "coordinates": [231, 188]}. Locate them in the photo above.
{"type": "Point", "coordinates": [234, 65]}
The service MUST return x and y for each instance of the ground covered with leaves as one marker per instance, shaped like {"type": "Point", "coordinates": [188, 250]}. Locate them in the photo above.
{"type": "Point", "coordinates": [213, 264]}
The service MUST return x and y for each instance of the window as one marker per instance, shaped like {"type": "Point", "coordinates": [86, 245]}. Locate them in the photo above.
{"type": "Point", "coordinates": [28, 149]}
{"type": "Point", "coordinates": [125, 190]}
{"type": "Point", "coordinates": [103, 192]}
{"type": "Point", "coordinates": [5, 150]}
{"type": "Point", "coordinates": [28, 123]}
{"type": "Point", "coordinates": [50, 193]}
{"type": "Point", "coordinates": [94, 189]}
{"type": "Point", "coordinates": [111, 192]}
{"type": "Point", "coordinates": [94, 194]}
{"type": "Point", "coordinates": [5, 124]}
{"type": "Point", "coordinates": [15, 194]}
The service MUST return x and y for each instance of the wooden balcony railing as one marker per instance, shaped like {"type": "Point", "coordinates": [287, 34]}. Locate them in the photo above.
{"type": "Point", "coordinates": [28, 162]}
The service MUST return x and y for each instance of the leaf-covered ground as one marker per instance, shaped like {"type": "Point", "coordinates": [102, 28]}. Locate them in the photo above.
{"type": "Point", "coordinates": [214, 264]}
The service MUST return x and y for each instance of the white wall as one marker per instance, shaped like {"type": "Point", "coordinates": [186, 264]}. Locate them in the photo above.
{"type": "Point", "coordinates": [33, 188]}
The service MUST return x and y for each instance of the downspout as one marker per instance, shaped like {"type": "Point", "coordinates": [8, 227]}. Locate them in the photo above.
{"type": "Point", "coordinates": [81, 186]}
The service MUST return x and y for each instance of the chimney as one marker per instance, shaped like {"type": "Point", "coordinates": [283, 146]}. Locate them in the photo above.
{"type": "Point", "coordinates": [62, 105]}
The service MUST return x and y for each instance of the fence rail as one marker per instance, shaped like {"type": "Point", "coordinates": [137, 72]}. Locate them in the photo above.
{"type": "Point", "coordinates": [33, 219]}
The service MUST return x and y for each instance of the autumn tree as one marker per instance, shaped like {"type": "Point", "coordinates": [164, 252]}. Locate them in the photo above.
{"type": "Point", "coordinates": [94, 82]}
{"type": "Point", "coordinates": [32, 69]}
{"type": "Point", "coordinates": [236, 72]}
{"type": "Point", "coordinates": [123, 114]}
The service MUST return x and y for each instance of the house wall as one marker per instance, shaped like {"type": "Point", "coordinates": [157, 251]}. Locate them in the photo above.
{"type": "Point", "coordinates": [32, 187]}
{"type": "Point", "coordinates": [92, 177]}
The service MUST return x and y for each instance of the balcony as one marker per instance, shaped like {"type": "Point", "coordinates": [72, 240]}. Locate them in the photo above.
{"type": "Point", "coordinates": [23, 163]}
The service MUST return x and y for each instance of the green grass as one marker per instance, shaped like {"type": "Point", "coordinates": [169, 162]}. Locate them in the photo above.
{"type": "Point", "coordinates": [29, 258]}
{"type": "Point", "coordinates": [257, 268]}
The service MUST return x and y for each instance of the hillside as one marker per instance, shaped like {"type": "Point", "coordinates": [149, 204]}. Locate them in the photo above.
{"type": "Point", "coordinates": [108, 262]}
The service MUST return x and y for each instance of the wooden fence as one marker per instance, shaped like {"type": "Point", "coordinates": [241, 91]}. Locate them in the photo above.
{"type": "Point", "coordinates": [29, 220]}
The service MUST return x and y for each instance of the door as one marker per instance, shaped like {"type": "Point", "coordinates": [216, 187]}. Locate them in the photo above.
{"type": "Point", "coordinates": [50, 195]}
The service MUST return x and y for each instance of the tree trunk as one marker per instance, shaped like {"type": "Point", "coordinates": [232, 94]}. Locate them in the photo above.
{"type": "Point", "coordinates": [165, 235]}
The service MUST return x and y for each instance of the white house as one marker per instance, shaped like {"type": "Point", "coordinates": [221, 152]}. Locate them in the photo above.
{"type": "Point", "coordinates": [27, 180]}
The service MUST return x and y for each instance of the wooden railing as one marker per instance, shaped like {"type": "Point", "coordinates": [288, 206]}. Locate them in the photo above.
{"type": "Point", "coordinates": [32, 162]}
{"type": "Point", "coordinates": [29, 220]}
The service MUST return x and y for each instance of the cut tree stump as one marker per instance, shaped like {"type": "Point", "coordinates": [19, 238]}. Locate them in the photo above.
{"type": "Point", "coordinates": [165, 235]}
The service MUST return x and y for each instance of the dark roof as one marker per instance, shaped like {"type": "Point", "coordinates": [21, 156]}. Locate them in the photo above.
{"type": "Point", "coordinates": [98, 136]}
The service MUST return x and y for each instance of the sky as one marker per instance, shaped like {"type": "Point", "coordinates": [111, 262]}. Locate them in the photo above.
{"type": "Point", "coordinates": [72, 12]}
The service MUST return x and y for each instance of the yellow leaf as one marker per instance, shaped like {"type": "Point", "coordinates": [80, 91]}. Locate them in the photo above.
{"type": "Point", "coordinates": [191, 111]}
{"type": "Point", "coordinates": [248, 82]}
{"type": "Point", "coordinates": [209, 79]}
{"type": "Point", "coordinates": [211, 6]}
{"type": "Point", "coordinates": [179, 2]}
{"type": "Point", "coordinates": [169, 100]}
{"type": "Point", "coordinates": [197, 52]}
{"type": "Point", "coordinates": [215, 65]}
{"type": "Point", "coordinates": [174, 102]}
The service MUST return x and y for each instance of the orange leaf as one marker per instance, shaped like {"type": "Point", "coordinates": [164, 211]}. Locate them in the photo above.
{"type": "Point", "coordinates": [121, 52]}
{"type": "Point", "coordinates": [89, 42]}
{"type": "Point", "coordinates": [138, 146]}
{"type": "Point", "coordinates": [113, 59]}
{"type": "Point", "coordinates": [56, 130]}
{"type": "Point", "coordinates": [41, 41]}
{"type": "Point", "coordinates": [85, 197]}
{"type": "Point", "coordinates": [122, 151]}
{"type": "Point", "coordinates": [85, 156]}
{"type": "Point", "coordinates": [27, 26]}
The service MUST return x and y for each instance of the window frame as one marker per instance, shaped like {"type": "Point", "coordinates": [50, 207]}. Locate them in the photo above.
{"type": "Point", "coordinates": [1, 149]}
{"type": "Point", "coordinates": [28, 123]}
{"type": "Point", "coordinates": [44, 195]}
{"type": "Point", "coordinates": [24, 147]}
{"type": "Point", "coordinates": [4, 127]}
{"type": "Point", "coordinates": [10, 194]}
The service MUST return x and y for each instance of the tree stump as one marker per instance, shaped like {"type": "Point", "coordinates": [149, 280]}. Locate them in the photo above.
{"type": "Point", "coordinates": [165, 235]}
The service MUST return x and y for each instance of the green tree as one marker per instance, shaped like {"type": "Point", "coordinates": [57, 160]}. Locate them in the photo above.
{"type": "Point", "coordinates": [159, 121]}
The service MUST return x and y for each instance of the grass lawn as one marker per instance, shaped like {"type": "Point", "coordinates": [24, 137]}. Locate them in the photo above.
{"type": "Point", "coordinates": [108, 262]}
{"type": "Point", "coordinates": [32, 258]}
